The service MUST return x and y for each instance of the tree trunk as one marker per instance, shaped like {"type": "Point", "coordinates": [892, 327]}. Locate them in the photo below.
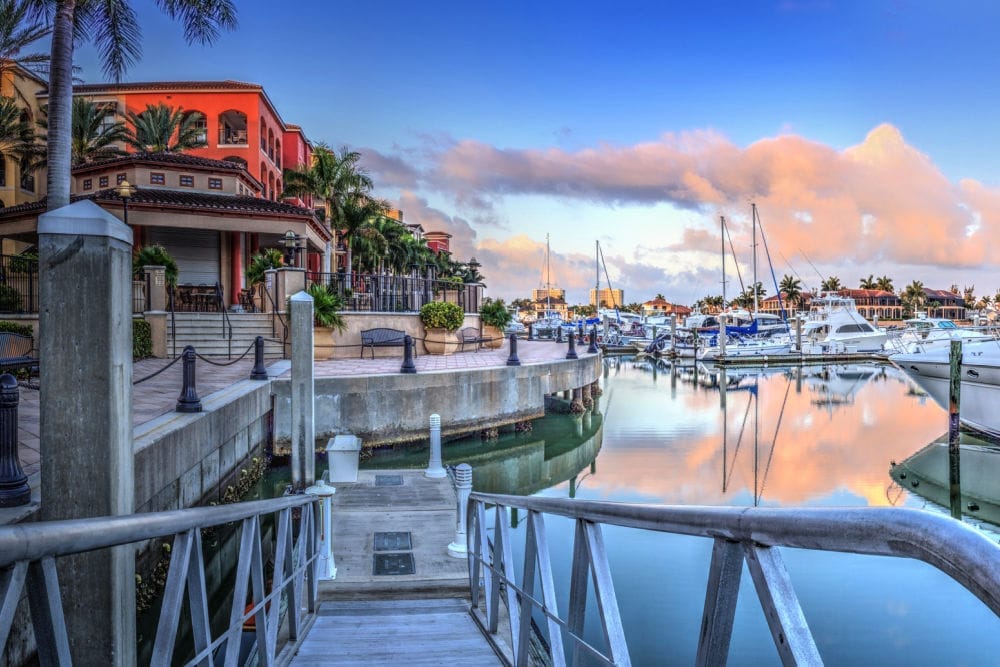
{"type": "Point", "coordinates": [60, 113]}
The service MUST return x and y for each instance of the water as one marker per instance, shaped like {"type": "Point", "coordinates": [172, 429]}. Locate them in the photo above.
{"type": "Point", "coordinates": [820, 436]}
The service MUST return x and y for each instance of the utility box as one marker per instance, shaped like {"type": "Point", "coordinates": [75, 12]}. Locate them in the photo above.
{"type": "Point", "coordinates": [342, 455]}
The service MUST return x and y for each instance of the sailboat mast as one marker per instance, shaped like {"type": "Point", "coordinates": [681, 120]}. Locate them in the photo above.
{"type": "Point", "coordinates": [753, 209]}
{"type": "Point", "coordinates": [548, 283]}
{"type": "Point", "coordinates": [722, 237]}
{"type": "Point", "coordinates": [597, 274]}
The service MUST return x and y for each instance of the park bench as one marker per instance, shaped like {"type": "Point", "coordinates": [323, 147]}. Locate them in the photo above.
{"type": "Point", "coordinates": [471, 336]}
{"type": "Point", "coordinates": [15, 352]}
{"type": "Point", "coordinates": [381, 337]}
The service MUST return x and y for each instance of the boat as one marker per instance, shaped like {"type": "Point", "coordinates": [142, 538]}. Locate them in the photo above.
{"type": "Point", "coordinates": [923, 332]}
{"type": "Point", "coordinates": [980, 372]}
{"type": "Point", "coordinates": [835, 326]}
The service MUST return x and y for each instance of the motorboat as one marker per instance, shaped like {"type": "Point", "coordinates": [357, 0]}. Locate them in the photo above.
{"type": "Point", "coordinates": [836, 326]}
{"type": "Point", "coordinates": [922, 333]}
{"type": "Point", "coordinates": [980, 372]}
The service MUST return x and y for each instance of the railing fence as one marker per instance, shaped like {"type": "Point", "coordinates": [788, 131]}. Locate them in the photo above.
{"type": "Point", "coordinates": [365, 292]}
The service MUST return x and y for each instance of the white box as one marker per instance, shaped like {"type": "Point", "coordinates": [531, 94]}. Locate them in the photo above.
{"type": "Point", "coordinates": [342, 455]}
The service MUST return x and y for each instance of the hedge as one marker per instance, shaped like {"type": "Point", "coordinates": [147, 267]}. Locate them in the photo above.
{"type": "Point", "coordinates": [16, 327]}
{"type": "Point", "coordinates": [142, 340]}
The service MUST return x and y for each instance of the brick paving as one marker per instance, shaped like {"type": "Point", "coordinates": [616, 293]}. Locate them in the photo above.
{"type": "Point", "coordinates": [156, 396]}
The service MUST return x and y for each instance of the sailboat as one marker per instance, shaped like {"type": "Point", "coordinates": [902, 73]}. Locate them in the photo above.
{"type": "Point", "coordinates": [742, 341]}
{"type": "Point", "coordinates": [550, 320]}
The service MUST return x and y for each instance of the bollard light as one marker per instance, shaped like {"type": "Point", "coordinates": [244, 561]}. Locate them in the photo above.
{"type": "Point", "coordinates": [512, 359]}
{"type": "Point", "coordinates": [188, 400]}
{"type": "Point", "coordinates": [14, 490]}
{"type": "Point", "coordinates": [531, 331]}
{"type": "Point", "coordinates": [327, 566]}
{"type": "Point", "coordinates": [559, 333]}
{"type": "Point", "coordinates": [434, 468]}
{"type": "Point", "coordinates": [592, 348]}
{"type": "Point", "coordinates": [571, 354]}
{"type": "Point", "coordinates": [463, 487]}
{"type": "Point", "coordinates": [258, 372]}
{"type": "Point", "coordinates": [408, 365]}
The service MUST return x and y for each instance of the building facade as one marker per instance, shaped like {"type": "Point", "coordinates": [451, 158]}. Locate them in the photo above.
{"type": "Point", "coordinates": [607, 297]}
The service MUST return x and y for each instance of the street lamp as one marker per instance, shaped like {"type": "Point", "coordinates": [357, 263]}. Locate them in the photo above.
{"type": "Point", "coordinates": [473, 269]}
{"type": "Point", "coordinates": [291, 242]}
{"type": "Point", "coordinates": [125, 191]}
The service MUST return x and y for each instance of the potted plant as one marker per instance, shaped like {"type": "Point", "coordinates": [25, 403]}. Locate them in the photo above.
{"type": "Point", "coordinates": [495, 318]}
{"type": "Point", "coordinates": [326, 318]}
{"type": "Point", "coordinates": [271, 258]}
{"type": "Point", "coordinates": [156, 255]}
{"type": "Point", "coordinates": [441, 320]}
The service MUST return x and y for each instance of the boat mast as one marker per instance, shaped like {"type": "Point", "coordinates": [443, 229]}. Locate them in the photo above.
{"type": "Point", "coordinates": [753, 209]}
{"type": "Point", "coordinates": [597, 275]}
{"type": "Point", "coordinates": [548, 284]}
{"type": "Point", "coordinates": [722, 237]}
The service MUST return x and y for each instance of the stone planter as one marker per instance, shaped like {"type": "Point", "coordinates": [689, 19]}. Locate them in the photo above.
{"type": "Point", "coordinates": [440, 341]}
{"type": "Point", "coordinates": [322, 343]}
{"type": "Point", "coordinates": [494, 335]}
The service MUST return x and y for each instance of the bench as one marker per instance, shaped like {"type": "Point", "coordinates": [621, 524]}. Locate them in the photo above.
{"type": "Point", "coordinates": [15, 352]}
{"type": "Point", "coordinates": [471, 336]}
{"type": "Point", "coordinates": [381, 337]}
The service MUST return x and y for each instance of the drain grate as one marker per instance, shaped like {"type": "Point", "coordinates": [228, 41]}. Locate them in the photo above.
{"type": "Point", "coordinates": [393, 542]}
{"type": "Point", "coordinates": [391, 564]}
{"type": "Point", "coordinates": [388, 480]}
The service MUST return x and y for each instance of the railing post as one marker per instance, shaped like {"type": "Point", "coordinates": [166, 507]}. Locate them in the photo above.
{"type": "Point", "coordinates": [327, 568]}
{"type": "Point", "coordinates": [559, 333]}
{"type": "Point", "coordinates": [14, 490]}
{"type": "Point", "coordinates": [531, 331]}
{"type": "Point", "coordinates": [571, 354]}
{"type": "Point", "coordinates": [592, 348]}
{"type": "Point", "coordinates": [408, 365]}
{"type": "Point", "coordinates": [188, 401]}
{"type": "Point", "coordinates": [258, 372]}
{"type": "Point", "coordinates": [512, 359]}
{"type": "Point", "coordinates": [434, 467]}
{"type": "Point", "coordinates": [463, 486]}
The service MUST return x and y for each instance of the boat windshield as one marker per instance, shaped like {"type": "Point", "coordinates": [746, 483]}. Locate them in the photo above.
{"type": "Point", "coordinates": [947, 324]}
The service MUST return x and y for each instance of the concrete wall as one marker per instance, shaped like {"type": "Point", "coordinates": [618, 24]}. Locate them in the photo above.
{"type": "Point", "coordinates": [345, 345]}
{"type": "Point", "coordinates": [181, 459]}
{"type": "Point", "coordinates": [395, 408]}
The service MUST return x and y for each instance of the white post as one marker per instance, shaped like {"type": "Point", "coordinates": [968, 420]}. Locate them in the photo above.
{"type": "Point", "coordinates": [327, 566]}
{"type": "Point", "coordinates": [722, 335]}
{"type": "Point", "coordinates": [303, 391]}
{"type": "Point", "coordinates": [463, 486]}
{"type": "Point", "coordinates": [434, 467]}
{"type": "Point", "coordinates": [673, 334]}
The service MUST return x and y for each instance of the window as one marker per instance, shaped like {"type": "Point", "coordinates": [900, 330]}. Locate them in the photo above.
{"type": "Point", "coordinates": [187, 181]}
{"type": "Point", "coordinates": [27, 176]}
{"type": "Point", "coordinates": [214, 183]}
{"type": "Point", "coordinates": [119, 178]}
{"type": "Point", "coordinates": [102, 182]}
{"type": "Point", "coordinates": [88, 184]}
{"type": "Point", "coordinates": [157, 179]}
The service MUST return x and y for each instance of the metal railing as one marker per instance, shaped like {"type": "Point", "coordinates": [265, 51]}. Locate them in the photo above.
{"type": "Point", "coordinates": [140, 294]}
{"type": "Point", "coordinates": [738, 534]}
{"type": "Point", "coordinates": [366, 292]}
{"type": "Point", "coordinates": [28, 553]}
{"type": "Point", "coordinates": [276, 319]}
{"type": "Point", "coordinates": [227, 325]}
{"type": "Point", "coordinates": [18, 284]}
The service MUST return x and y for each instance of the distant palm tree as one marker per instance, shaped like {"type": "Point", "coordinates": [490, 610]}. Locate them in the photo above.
{"type": "Point", "coordinates": [93, 139]}
{"type": "Point", "coordinates": [792, 288]}
{"type": "Point", "coordinates": [660, 297]}
{"type": "Point", "coordinates": [885, 283]}
{"type": "Point", "coordinates": [969, 297]}
{"type": "Point", "coordinates": [154, 130]}
{"type": "Point", "coordinates": [869, 283]}
{"type": "Point", "coordinates": [914, 297]}
{"type": "Point", "coordinates": [831, 284]}
{"type": "Point", "coordinates": [983, 303]}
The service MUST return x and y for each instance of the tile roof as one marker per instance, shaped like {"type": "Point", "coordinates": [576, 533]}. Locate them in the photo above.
{"type": "Point", "coordinates": [164, 85]}
{"type": "Point", "coordinates": [176, 159]}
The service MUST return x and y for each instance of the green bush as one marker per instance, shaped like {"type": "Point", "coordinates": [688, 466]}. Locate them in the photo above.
{"type": "Point", "coordinates": [155, 255]}
{"type": "Point", "coordinates": [10, 299]}
{"type": "Point", "coordinates": [326, 308]}
{"type": "Point", "coordinates": [142, 340]}
{"type": "Point", "coordinates": [15, 327]}
{"type": "Point", "coordinates": [494, 313]}
{"type": "Point", "coordinates": [442, 315]}
{"type": "Point", "coordinates": [270, 258]}
{"type": "Point", "coordinates": [26, 262]}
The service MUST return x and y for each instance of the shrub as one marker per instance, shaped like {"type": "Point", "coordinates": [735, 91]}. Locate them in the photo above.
{"type": "Point", "coordinates": [142, 340]}
{"type": "Point", "coordinates": [15, 327]}
{"type": "Point", "coordinates": [269, 259]}
{"type": "Point", "coordinates": [155, 255]}
{"type": "Point", "coordinates": [326, 308]}
{"type": "Point", "coordinates": [494, 313]}
{"type": "Point", "coordinates": [10, 299]}
{"type": "Point", "coordinates": [442, 315]}
{"type": "Point", "coordinates": [26, 262]}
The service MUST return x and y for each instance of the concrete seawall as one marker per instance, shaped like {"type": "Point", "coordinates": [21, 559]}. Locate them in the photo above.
{"type": "Point", "coordinates": [387, 409]}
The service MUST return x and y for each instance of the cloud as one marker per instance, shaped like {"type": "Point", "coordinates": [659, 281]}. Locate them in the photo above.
{"type": "Point", "coordinates": [417, 210]}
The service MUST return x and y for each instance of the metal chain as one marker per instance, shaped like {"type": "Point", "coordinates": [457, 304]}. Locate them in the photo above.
{"type": "Point", "coordinates": [153, 375]}
{"type": "Point", "coordinates": [225, 363]}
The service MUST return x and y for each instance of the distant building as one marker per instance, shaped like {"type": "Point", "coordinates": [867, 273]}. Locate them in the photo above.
{"type": "Point", "coordinates": [655, 307]}
{"type": "Point", "coordinates": [19, 184]}
{"type": "Point", "coordinates": [607, 297]}
{"type": "Point", "coordinates": [942, 303]}
{"type": "Point", "coordinates": [549, 301]}
{"type": "Point", "coordinates": [438, 241]}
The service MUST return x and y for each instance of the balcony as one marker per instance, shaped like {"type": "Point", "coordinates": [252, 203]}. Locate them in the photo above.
{"type": "Point", "coordinates": [230, 137]}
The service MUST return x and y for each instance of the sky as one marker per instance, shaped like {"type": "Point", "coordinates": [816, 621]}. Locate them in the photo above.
{"type": "Point", "coordinates": [865, 132]}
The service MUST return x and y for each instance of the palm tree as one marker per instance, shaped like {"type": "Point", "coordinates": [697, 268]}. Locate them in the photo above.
{"type": "Point", "coordinates": [914, 297]}
{"type": "Point", "coordinates": [869, 283]}
{"type": "Point", "coordinates": [831, 284]}
{"type": "Point", "coordinates": [792, 288]}
{"type": "Point", "coordinates": [93, 139]}
{"type": "Point", "coordinates": [114, 29]}
{"type": "Point", "coordinates": [17, 136]}
{"type": "Point", "coordinates": [885, 283]}
{"type": "Point", "coordinates": [155, 128]}
{"type": "Point", "coordinates": [19, 28]}
{"type": "Point", "coordinates": [355, 221]}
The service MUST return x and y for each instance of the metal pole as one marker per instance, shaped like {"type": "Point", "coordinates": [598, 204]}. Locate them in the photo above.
{"type": "Point", "coordinates": [14, 490]}
{"type": "Point", "coordinates": [188, 401]}
{"type": "Point", "coordinates": [408, 365]}
{"type": "Point", "coordinates": [559, 333]}
{"type": "Point", "coordinates": [463, 487]}
{"type": "Point", "coordinates": [258, 372]}
{"type": "Point", "coordinates": [434, 467]}
{"type": "Point", "coordinates": [512, 359]}
{"type": "Point", "coordinates": [954, 405]}
{"type": "Point", "coordinates": [327, 565]}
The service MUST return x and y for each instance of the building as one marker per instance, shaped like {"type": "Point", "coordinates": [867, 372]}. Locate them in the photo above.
{"type": "Point", "coordinates": [607, 297]}
{"type": "Point", "coordinates": [19, 184]}
{"type": "Point", "coordinates": [662, 307]}
{"type": "Point", "coordinates": [945, 304]}
{"type": "Point", "coordinates": [438, 241]}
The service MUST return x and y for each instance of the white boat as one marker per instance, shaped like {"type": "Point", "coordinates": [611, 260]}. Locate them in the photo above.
{"type": "Point", "coordinates": [923, 333]}
{"type": "Point", "coordinates": [744, 347]}
{"type": "Point", "coordinates": [980, 391]}
{"type": "Point", "coordinates": [836, 326]}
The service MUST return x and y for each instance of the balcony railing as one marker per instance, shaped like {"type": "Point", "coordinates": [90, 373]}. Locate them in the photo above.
{"type": "Point", "coordinates": [232, 137]}
{"type": "Point", "coordinates": [18, 284]}
{"type": "Point", "coordinates": [396, 294]}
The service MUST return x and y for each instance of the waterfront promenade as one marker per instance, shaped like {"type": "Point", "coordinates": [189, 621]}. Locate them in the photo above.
{"type": "Point", "coordinates": [158, 395]}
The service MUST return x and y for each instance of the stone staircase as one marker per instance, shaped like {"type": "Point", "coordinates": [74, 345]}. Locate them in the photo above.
{"type": "Point", "coordinates": [205, 332]}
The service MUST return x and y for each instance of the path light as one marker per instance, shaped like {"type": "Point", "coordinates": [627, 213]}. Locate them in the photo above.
{"type": "Point", "coordinates": [125, 192]}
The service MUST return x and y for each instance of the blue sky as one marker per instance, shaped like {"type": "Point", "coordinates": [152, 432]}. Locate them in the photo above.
{"type": "Point", "coordinates": [853, 125]}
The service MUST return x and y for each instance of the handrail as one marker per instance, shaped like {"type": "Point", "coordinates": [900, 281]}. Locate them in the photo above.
{"type": "Point", "coordinates": [275, 315]}
{"type": "Point", "coordinates": [221, 305]}
{"type": "Point", "coordinates": [29, 552]}
{"type": "Point", "coordinates": [751, 533]}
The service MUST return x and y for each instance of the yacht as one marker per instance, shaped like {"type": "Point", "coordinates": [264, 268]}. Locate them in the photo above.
{"type": "Point", "coordinates": [922, 333]}
{"type": "Point", "coordinates": [836, 326]}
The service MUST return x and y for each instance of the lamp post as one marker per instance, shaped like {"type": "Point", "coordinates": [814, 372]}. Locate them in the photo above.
{"type": "Point", "coordinates": [473, 278]}
{"type": "Point", "coordinates": [125, 191]}
{"type": "Point", "coordinates": [291, 241]}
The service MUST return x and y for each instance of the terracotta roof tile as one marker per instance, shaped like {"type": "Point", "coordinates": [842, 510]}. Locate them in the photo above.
{"type": "Point", "coordinates": [164, 85]}
{"type": "Point", "coordinates": [177, 159]}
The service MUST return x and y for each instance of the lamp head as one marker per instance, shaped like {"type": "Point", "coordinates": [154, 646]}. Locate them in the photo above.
{"type": "Point", "coordinates": [125, 190]}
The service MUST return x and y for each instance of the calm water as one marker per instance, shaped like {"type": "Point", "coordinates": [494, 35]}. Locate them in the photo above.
{"type": "Point", "coordinates": [822, 436]}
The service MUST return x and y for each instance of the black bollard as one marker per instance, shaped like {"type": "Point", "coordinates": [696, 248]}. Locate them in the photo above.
{"type": "Point", "coordinates": [408, 365]}
{"type": "Point", "coordinates": [188, 400]}
{"type": "Point", "coordinates": [592, 349]}
{"type": "Point", "coordinates": [572, 348]}
{"type": "Point", "coordinates": [258, 372]}
{"type": "Point", "coordinates": [14, 490]}
{"type": "Point", "coordinates": [531, 331]}
{"type": "Point", "coordinates": [558, 333]}
{"type": "Point", "coordinates": [512, 360]}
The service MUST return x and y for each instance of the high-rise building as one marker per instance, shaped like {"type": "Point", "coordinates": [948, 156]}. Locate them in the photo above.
{"type": "Point", "coordinates": [607, 297]}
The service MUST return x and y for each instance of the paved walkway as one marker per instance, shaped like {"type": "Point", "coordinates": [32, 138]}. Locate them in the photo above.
{"type": "Point", "coordinates": [158, 395]}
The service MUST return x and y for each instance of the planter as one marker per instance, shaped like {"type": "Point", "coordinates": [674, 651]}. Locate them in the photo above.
{"type": "Point", "coordinates": [322, 343]}
{"type": "Point", "coordinates": [440, 341]}
{"type": "Point", "coordinates": [495, 337]}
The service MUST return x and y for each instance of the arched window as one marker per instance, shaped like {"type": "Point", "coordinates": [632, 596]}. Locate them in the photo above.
{"type": "Point", "coordinates": [200, 122]}
{"type": "Point", "coordinates": [233, 128]}
{"type": "Point", "coordinates": [277, 152]}
{"type": "Point", "coordinates": [27, 176]}
{"type": "Point", "coordinates": [263, 134]}
{"type": "Point", "coordinates": [270, 184]}
{"type": "Point", "coordinates": [277, 186]}
{"type": "Point", "coordinates": [270, 144]}
{"type": "Point", "coordinates": [263, 177]}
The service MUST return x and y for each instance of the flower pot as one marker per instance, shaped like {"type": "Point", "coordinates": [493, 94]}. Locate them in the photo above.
{"type": "Point", "coordinates": [440, 341]}
{"type": "Point", "coordinates": [494, 337]}
{"type": "Point", "coordinates": [322, 343]}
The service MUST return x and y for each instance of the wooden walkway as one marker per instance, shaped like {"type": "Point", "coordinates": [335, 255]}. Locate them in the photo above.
{"type": "Point", "coordinates": [404, 632]}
